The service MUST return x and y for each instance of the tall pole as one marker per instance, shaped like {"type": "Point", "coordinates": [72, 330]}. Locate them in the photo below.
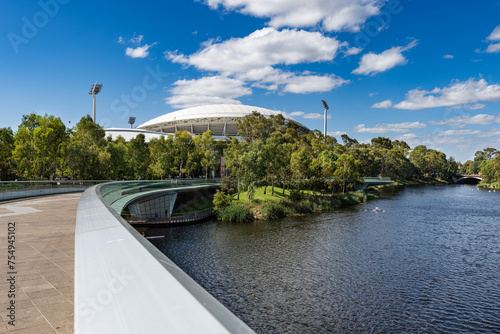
{"type": "Point", "coordinates": [94, 118]}
{"type": "Point", "coordinates": [94, 90]}
{"type": "Point", "coordinates": [326, 109]}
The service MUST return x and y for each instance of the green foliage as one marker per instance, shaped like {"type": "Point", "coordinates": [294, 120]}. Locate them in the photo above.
{"type": "Point", "coordinates": [272, 210]}
{"type": "Point", "coordinates": [221, 200]}
{"type": "Point", "coordinates": [296, 195]}
{"type": "Point", "coordinates": [6, 148]}
{"type": "Point", "coordinates": [490, 172]}
{"type": "Point", "coordinates": [37, 145]}
{"type": "Point", "coordinates": [229, 185]}
{"type": "Point", "coordinates": [235, 213]}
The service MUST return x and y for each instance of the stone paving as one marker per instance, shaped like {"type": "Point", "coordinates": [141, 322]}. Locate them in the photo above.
{"type": "Point", "coordinates": [43, 264]}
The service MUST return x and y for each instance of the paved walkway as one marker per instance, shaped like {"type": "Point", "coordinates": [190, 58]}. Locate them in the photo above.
{"type": "Point", "coordinates": [44, 264]}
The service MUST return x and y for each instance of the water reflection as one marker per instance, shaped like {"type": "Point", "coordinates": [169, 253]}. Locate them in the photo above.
{"type": "Point", "coordinates": [430, 262]}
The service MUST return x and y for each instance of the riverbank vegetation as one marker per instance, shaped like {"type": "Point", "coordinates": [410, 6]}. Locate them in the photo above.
{"type": "Point", "coordinates": [270, 153]}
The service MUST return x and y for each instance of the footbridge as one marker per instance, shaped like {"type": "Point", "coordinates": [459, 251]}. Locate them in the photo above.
{"type": "Point", "coordinates": [124, 284]}
{"type": "Point", "coordinates": [467, 179]}
{"type": "Point", "coordinates": [373, 181]}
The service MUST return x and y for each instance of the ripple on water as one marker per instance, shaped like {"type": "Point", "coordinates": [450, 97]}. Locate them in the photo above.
{"type": "Point", "coordinates": [430, 263]}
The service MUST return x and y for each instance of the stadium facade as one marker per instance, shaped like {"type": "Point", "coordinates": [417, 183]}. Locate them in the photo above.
{"type": "Point", "coordinates": [221, 119]}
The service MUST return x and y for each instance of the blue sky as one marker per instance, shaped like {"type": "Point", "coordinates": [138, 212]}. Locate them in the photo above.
{"type": "Point", "coordinates": [423, 71]}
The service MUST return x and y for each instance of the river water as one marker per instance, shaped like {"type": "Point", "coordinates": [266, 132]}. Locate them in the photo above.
{"type": "Point", "coordinates": [427, 262]}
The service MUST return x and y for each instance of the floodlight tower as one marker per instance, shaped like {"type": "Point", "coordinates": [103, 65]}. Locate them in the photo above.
{"type": "Point", "coordinates": [131, 121]}
{"type": "Point", "coordinates": [94, 90]}
{"type": "Point", "coordinates": [326, 109]}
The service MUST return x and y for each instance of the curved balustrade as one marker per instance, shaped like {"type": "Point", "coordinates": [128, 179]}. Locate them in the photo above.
{"type": "Point", "coordinates": [20, 189]}
{"type": "Point", "coordinates": [123, 284]}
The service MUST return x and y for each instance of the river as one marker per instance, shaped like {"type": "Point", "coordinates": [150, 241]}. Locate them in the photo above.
{"type": "Point", "coordinates": [427, 262]}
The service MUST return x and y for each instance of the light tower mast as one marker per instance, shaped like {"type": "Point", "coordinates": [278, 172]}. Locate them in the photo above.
{"type": "Point", "coordinates": [94, 90]}
{"type": "Point", "coordinates": [326, 109]}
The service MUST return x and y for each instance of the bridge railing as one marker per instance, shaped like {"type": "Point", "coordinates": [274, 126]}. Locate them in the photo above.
{"type": "Point", "coordinates": [124, 284]}
{"type": "Point", "coordinates": [114, 191]}
{"type": "Point", "coordinates": [368, 179]}
{"type": "Point", "coordinates": [21, 189]}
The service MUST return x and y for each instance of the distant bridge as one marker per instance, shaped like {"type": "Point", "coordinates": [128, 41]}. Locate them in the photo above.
{"type": "Point", "coordinates": [373, 181]}
{"type": "Point", "coordinates": [467, 179]}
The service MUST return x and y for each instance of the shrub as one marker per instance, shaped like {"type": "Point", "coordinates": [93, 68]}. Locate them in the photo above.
{"type": "Point", "coordinates": [221, 200]}
{"type": "Point", "coordinates": [272, 210]}
{"type": "Point", "coordinates": [229, 185]}
{"type": "Point", "coordinates": [296, 195]}
{"type": "Point", "coordinates": [235, 213]}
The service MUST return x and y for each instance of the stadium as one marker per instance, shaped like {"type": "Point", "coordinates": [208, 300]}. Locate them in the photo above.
{"type": "Point", "coordinates": [221, 119]}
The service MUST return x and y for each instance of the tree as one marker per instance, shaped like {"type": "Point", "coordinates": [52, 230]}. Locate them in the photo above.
{"type": "Point", "coordinates": [161, 155]}
{"type": "Point", "coordinates": [183, 146]}
{"type": "Point", "coordinates": [138, 156]}
{"type": "Point", "coordinates": [113, 159]}
{"type": "Point", "coordinates": [234, 160]}
{"type": "Point", "coordinates": [347, 171]}
{"type": "Point", "coordinates": [490, 172]}
{"type": "Point", "coordinates": [208, 152]}
{"type": "Point", "coordinates": [37, 144]}
{"type": "Point", "coordinates": [299, 163]}
{"type": "Point", "coordinates": [81, 153]}
{"type": "Point", "coordinates": [6, 148]}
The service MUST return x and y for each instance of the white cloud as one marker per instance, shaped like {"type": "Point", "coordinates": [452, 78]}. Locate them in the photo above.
{"type": "Point", "coordinates": [448, 56]}
{"type": "Point", "coordinates": [252, 59]}
{"type": "Point", "coordinates": [372, 63]}
{"type": "Point", "coordinates": [334, 15]}
{"type": "Point", "coordinates": [352, 51]}
{"type": "Point", "coordinates": [459, 132]}
{"type": "Point", "coordinates": [312, 83]}
{"type": "Point", "coordinates": [296, 113]}
{"type": "Point", "coordinates": [406, 137]}
{"type": "Point", "coordinates": [458, 93]}
{"type": "Point", "coordinates": [139, 52]}
{"type": "Point", "coordinates": [136, 39]}
{"type": "Point", "coordinates": [383, 105]}
{"type": "Point", "coordinates": [336, 133]}
{"type": "Point", "coordinates": [493, 48]}
{"type": "Point", "coordinates": [495, 132]}
{"type": "Point", "coordinates": [388, 128]}
{"type": "Point", "coordinates": [207, 90]}
{"type": "Point", "coordinates": [262, 48]}
{"type": "Point", "coordinates": [480, 119]}
{"type": "Point", "coordinates": [492, 38]}
{"type": "Point", "coordinates": [121, 40]}
{"type": "Point", "coordinates": [372, 94]}
{"type": "Point", "coordinates": [316, 115]}
{"type": "Point", "coordinates": [495, 35]}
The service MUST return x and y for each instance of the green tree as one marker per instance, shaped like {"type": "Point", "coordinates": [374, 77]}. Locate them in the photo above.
{"type": "Point", "coordinates": [81, 153]}
{"type": "Point", "coordinates": [37, 145]}
{"type": "Point", "coordinates": [490, 172]}
{"type": "Point", "coordinates": [209, 154]}
{"type": "Point", "coordinates": [234, 159]}
{"type": "Point", "coordinates": [138, 156]}
{"type": "Point", "coordinates": [113, 159]}
{"type": "Point", "coordinates": [184, 145]}
{"type": "Point", "coordinates": [347, 171]}
{"type": "Point", "coordinates": [6, 148]}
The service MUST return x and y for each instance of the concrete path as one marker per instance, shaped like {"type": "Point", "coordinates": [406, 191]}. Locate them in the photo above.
{"type": "Point", "coordinates": [43, 267]}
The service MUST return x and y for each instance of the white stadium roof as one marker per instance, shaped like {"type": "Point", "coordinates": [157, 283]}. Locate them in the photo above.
{"type": "Point", "coordinates": [226, 111]}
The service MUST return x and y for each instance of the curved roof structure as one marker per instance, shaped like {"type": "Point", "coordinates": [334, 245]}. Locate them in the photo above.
{"type": "Point", "coordinates": [129, 134]}
{"type": "Point", "coordinates": [222, 119]}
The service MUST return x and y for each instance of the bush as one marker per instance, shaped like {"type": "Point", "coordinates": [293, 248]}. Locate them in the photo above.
{"type": "Point", "coordinates": [296, 195]}
{"type": "Point", "coordinates": [235, 213]}
{"type": "Point", "coordinates": [221, 200]}
{"type": "Point", "coordinates": [229, 185]}
{"type": "Point", "coordinates": [272, 210]}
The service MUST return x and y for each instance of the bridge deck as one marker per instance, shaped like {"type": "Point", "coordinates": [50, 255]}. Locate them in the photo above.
{"type": "Point", "coordinates": [45, 246]}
